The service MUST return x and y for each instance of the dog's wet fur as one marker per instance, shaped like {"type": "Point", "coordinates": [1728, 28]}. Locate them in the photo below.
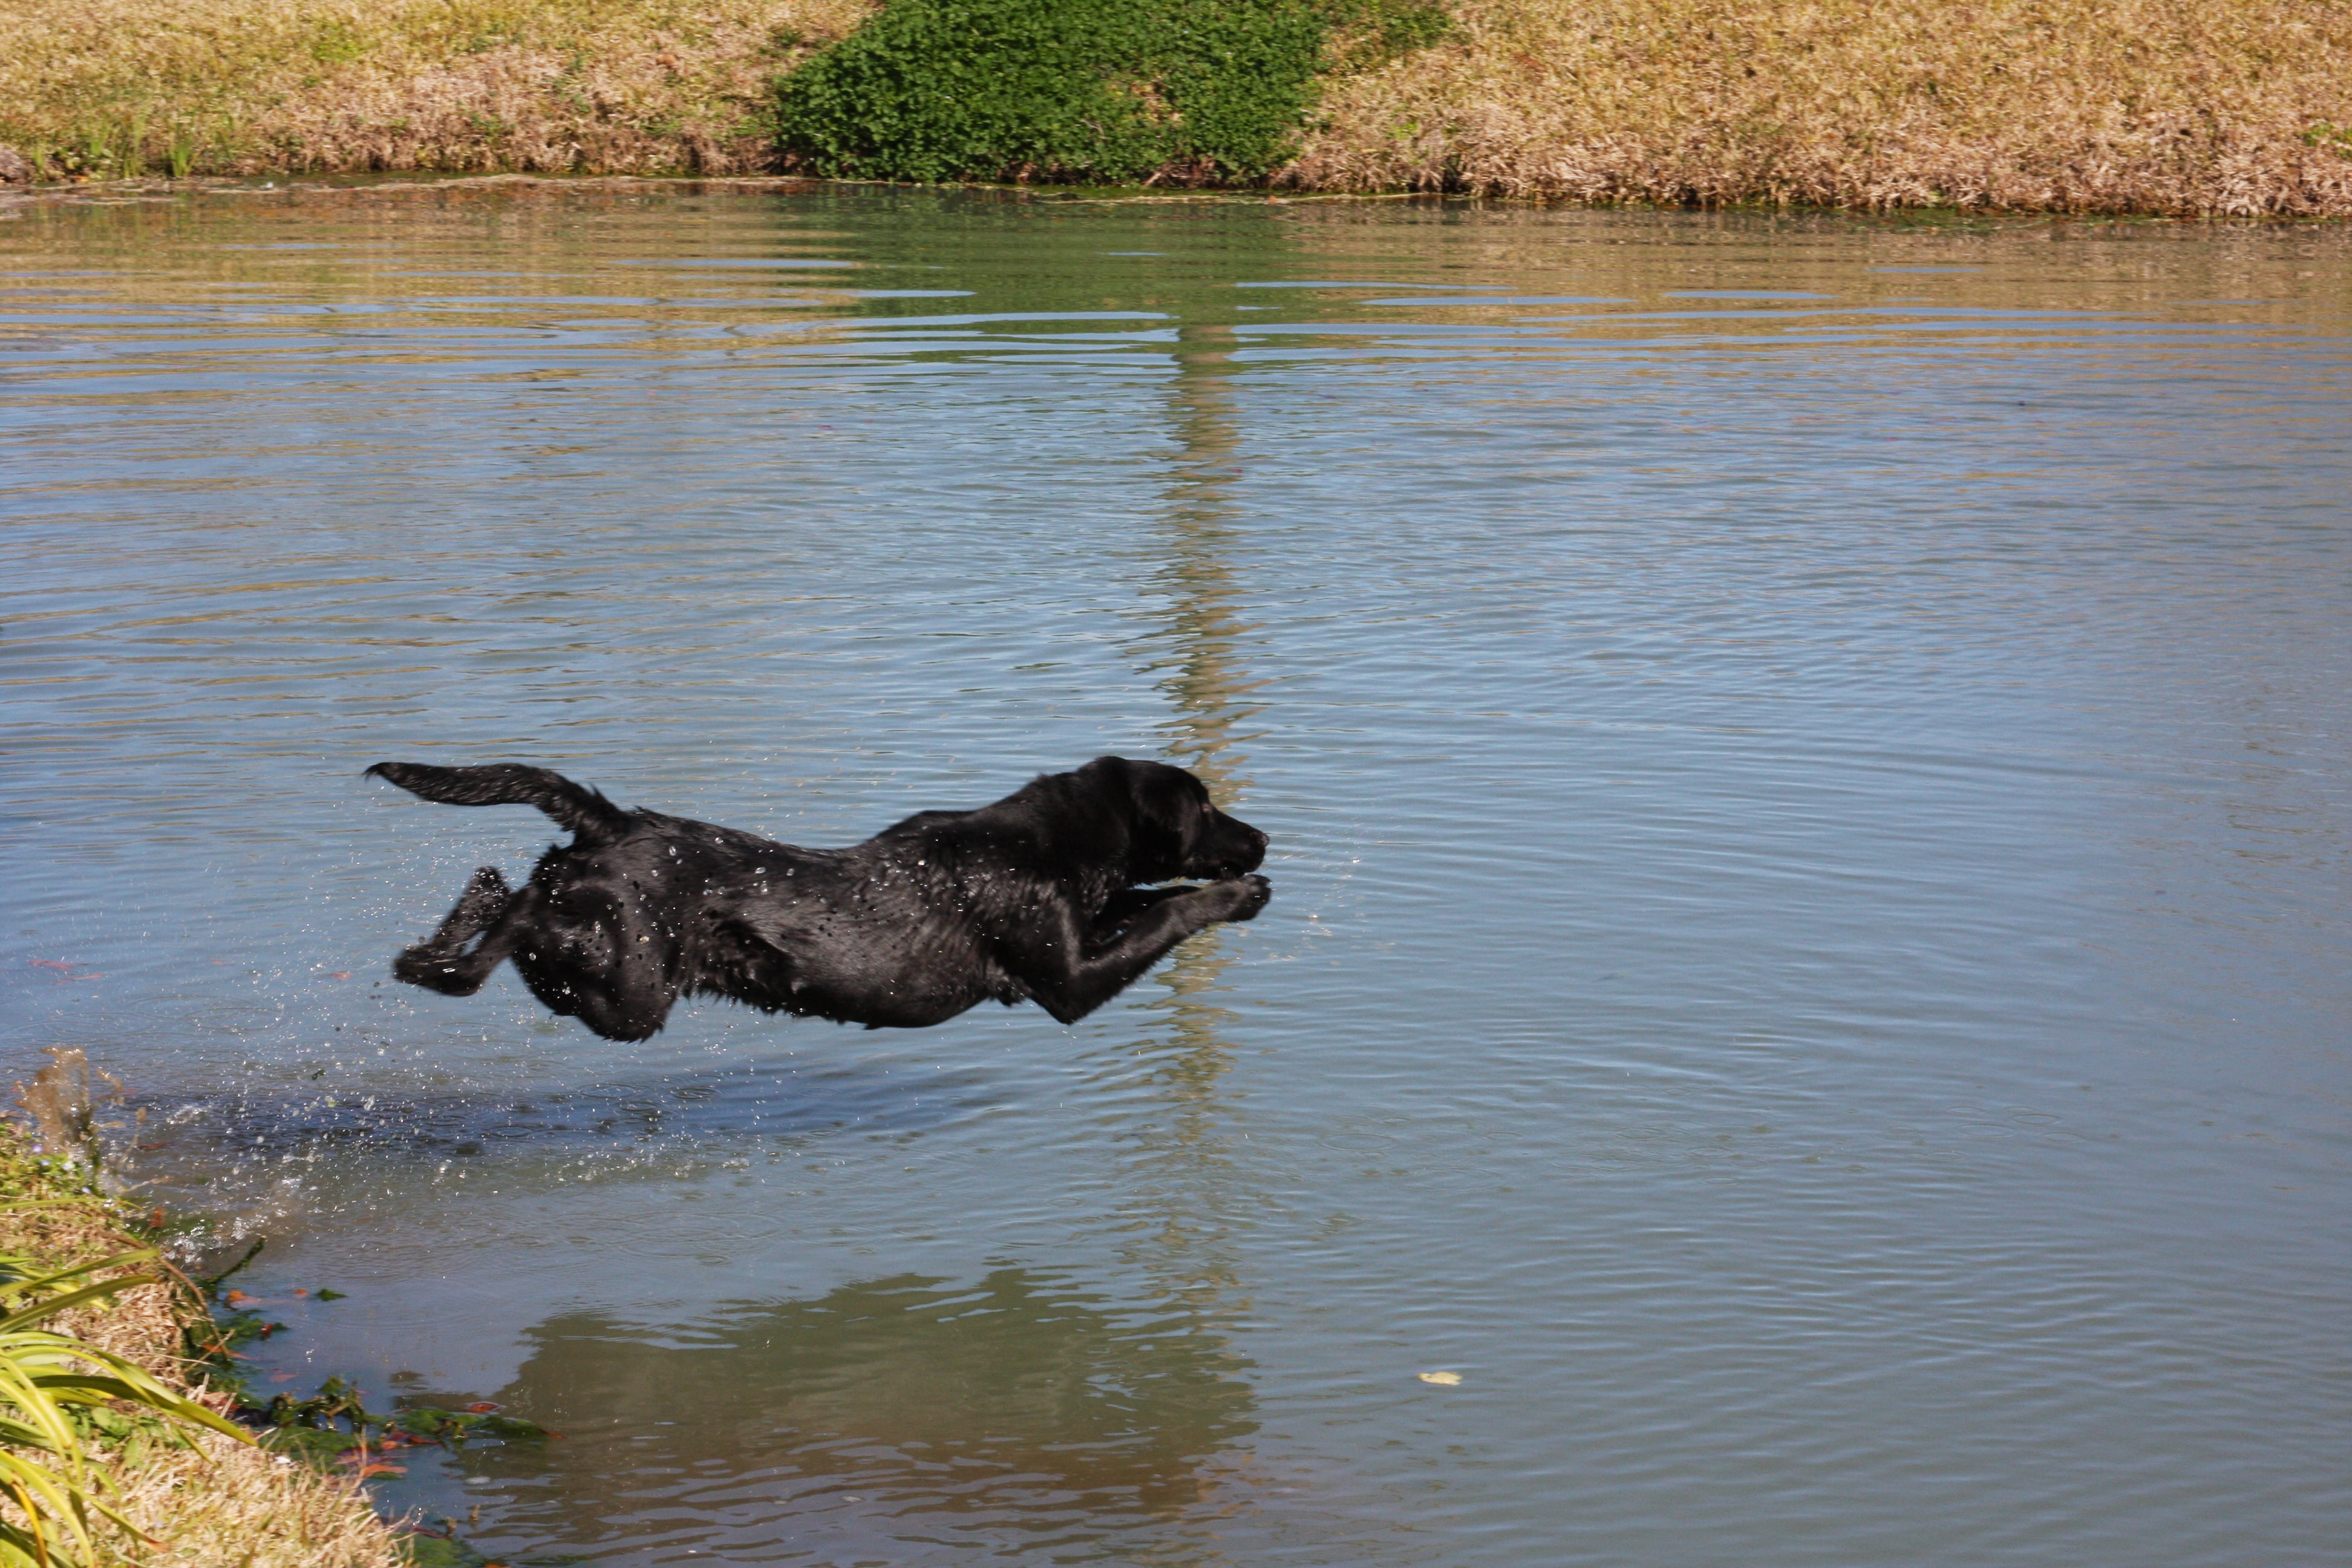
{"type": "Point", "coordinates": [1046, 896]}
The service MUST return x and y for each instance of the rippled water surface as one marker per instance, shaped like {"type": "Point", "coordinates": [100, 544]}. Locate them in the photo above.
{"type": "Point", "coordinates": [1807, 762]}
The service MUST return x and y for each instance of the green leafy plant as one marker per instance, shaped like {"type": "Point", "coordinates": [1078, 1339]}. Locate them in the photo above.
{"type": "Point", "coordinates": [1105, 90]}
{"type": "Point", "coordinates": [58, 1394]}
{"type": "Point", "coordinates": [335, 1425]}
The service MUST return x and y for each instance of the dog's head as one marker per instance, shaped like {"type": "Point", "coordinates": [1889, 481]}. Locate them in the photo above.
{"type": "Point", "coordinates": [1173, 829]}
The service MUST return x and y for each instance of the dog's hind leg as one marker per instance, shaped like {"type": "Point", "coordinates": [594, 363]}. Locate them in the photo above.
{"type": "Point", "coordinates": [484, 900]}
{"type": "Point", "coordinates": [440, 962]}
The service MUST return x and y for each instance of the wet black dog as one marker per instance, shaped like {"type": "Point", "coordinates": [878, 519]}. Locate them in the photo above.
{"type": "Point", "coordinates": [1034, 897]}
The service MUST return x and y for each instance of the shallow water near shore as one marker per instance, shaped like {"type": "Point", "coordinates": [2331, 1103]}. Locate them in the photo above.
{"type": "Point", "coordinates": [1806, 761]}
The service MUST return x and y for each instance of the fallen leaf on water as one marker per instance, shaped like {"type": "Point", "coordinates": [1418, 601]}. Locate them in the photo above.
{"type": "Point", "coordinates": [235, 1298]}
{"type": "Point", "coordinates": [1444, 1379]}
{"type": "Point", "coordinates": [327, 1295]}
{"type": "Point", "coordinates": [298, 1292]}
{"type": "Point", "coordinates": [481, 1407]}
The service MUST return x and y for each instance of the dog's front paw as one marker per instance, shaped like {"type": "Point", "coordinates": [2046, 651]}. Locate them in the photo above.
{"type": "Point", "coordinates": [1250, 894]}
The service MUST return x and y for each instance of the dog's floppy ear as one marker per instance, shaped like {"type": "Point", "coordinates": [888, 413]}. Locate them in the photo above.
{"type": "Point", "coordinates": [1163, 805]}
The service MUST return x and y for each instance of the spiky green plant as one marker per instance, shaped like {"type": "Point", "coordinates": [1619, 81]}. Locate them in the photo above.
{"type": "Point", "coordinates": [46, 1378]}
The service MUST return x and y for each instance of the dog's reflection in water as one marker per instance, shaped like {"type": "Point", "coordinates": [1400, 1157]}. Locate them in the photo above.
{"type": "Point", "coordinates": [1019, 1397]}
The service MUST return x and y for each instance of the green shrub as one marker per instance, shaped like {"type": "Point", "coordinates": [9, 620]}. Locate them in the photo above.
{"type": "Point", "coordinates": [1104, 91]}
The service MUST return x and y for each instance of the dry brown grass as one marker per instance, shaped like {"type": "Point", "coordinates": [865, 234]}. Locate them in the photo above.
{"type": "Point", "coordinates": [332, 86]}
{"type": "Point", "coordinates": [2242, 107]}
{"type": "Point", "coordinates": [220, 1501]}
{"type": "Point", "coordinates": [2078, 105]}
{"type": "Point", "coordinates": [230, 1504]}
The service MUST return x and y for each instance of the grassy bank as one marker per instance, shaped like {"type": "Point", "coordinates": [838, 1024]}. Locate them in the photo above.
{"type": "Point", "coordinates": [119, 87]}
{"type": "Point", "coordinates": [2236, 108]}
{"type": "Point", "coordinates": [210, 1500]}
{"type": "Point", "coordinates": [2243, 108]}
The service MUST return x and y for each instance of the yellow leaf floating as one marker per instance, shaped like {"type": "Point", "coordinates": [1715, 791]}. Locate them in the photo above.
{"type": "Point", "coordinates": [1445, 1378]}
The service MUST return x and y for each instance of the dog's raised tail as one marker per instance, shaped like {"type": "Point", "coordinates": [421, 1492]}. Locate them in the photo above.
{"type": "Point", "coordinates": [593, 819]}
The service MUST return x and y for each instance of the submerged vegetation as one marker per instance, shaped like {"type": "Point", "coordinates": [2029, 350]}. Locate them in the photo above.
{"type": "Point", "coordinates": [2020, 105]}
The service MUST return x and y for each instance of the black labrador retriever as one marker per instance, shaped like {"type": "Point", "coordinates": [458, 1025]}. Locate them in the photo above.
{"type": "Point", "coordinates": [1034, 897]}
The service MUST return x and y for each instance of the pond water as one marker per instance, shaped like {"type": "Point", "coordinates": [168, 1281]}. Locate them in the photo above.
{"type": "Point", "coordinates": [1807, 765]}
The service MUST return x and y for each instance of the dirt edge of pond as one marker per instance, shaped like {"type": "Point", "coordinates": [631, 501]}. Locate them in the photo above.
{"type": "Point", "coordinates": [2088, 106]}
{"type": "Point", "coordinates": [221, 1501]}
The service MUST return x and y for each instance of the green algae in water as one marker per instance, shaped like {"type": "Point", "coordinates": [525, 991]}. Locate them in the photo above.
{"type": "Point", "coordinates": [424, 1551]}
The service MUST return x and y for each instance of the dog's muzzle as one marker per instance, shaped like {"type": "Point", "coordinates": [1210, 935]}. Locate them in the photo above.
{"type": "Point", "coordinates": [1236, 848]}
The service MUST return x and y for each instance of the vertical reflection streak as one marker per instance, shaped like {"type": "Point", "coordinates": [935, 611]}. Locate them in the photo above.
{"type": "Point", "coordinates": [1186, 1172]}
{"type": "Point", "coordinates": [1184, 1192]}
